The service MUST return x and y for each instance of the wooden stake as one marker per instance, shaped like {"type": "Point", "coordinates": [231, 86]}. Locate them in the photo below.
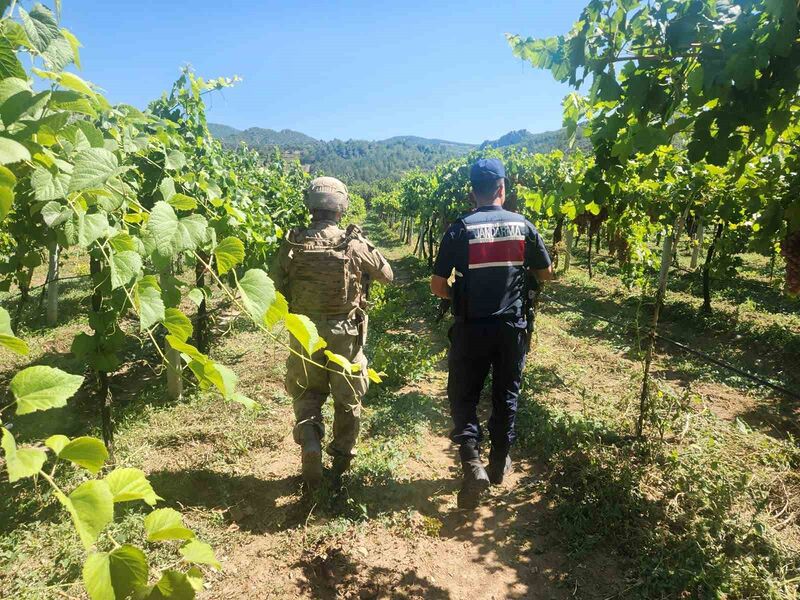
{"type": "Point", "coordinates": [52, 283]}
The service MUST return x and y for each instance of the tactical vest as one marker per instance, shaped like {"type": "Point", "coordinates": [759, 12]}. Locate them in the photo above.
{"type": "Point", "coordinates": [324, 280]}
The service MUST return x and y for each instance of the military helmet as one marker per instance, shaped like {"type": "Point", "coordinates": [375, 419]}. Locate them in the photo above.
{"type": "Point", "coordinates": [327, 193]}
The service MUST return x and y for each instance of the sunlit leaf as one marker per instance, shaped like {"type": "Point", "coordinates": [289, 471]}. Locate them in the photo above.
{"type": "Point", "coordinates": [91, 507]}
{"type": "Point", "coordinates": [305, 332]}
{"type": "Point", "coordinates": [129, 484]}
{"type": "Point", "coordinates": [87, 452]}
{"type": "Point", "coordinates": [200, 553]}
{"type": "Point", "coordinates": [20, 462]}
{"type": "Point", "coordinates": [166, 524]}
{"type": "Point", "coordinates": [40, 388]}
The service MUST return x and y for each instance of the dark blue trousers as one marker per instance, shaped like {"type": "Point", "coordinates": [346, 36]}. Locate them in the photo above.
{"type": "Point", "coordinates": [475, 348]}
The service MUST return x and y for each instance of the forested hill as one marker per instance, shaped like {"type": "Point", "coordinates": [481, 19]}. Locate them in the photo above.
{"type": "Point", "coordinates": [361, 160]}
{"type": "Point", "coordinates": [544, 142]}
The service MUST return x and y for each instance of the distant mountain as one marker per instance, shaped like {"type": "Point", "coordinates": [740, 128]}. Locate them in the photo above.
{"type": "Point", "coordinates": [538, 142]}
{"type": "Point", "coordinates": [257, 137]}
{"type": "Point", "coordinates": [351, 160]}
{"type": "Point", "coordinates": [360, 160]}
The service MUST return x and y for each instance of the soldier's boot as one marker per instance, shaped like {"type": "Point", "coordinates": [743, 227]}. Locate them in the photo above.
{"type": "Point", "coordinates": [311, 456]}
{"type": "Point", "coordinates": [499, 466]}
{"type": "Point", "coordinates": [339, 467]}
{"type": "Point", "coordinates": [476, 481]}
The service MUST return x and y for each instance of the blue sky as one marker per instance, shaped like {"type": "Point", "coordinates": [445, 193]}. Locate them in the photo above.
{"type": "Point", "coordinates": [348, 69]}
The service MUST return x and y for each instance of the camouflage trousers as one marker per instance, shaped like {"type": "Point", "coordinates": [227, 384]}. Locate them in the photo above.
{"type": "Point", "coordinates": [309, 386]}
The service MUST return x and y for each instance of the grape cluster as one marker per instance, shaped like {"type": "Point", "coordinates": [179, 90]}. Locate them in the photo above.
{"type": "Point", "coordinates": [790, 250]}
{"type": "Point", "coordinates": [619, 246]}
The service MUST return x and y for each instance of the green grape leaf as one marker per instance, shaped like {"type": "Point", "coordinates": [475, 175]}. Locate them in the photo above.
{"type": "Point", "coordinates": [12, 151]}
{"type": "Point", "coordinates": [374, 376]}
{"type": "Point", "coordinates": [167, 188]}
{"type": "Point", "coordinates": [197, 296]}
{"type": "Point", "coordinates": [11, 86]}
{"type": "Point", "coordinates": [28, 104]}
{"type": "Point", "coordinates": [172, 586]}
{"type": "Point", "coordinates": [75, 45]}
{"type": "Point", "coordinates": [185, 348]}
{"type": "Point", "coordinates": [91, 507]}
{"type": "Point", "coordinates": [277, 311]}
{"type": "Point", "coordinates": [91, 228]}
{"type": "Point", "coordinates": [93, 168]}
{"type": "Point", "coordinates": [150, 304]}
{"type": "Point", "coordinates": [21, 462]}
{"type": "Point", "coordinates": [76, 84]}
{"type": "Point", "coordinates": [593, 208]}
{"type": "Point", "coordinates": [191, 233]}
{"type": "Point", "coordinates": [229, 253]}
{"type": "Point", "coordinates": [258, 293]}
{"type": "Point", "coordinates": [340, 360]}
{"type": "Point", "coordinates": [48, 185]}
{"type": "Point", "coordinates": [7, 337]}
{"type": "Point", "coordinates": [97, 577]}
{"type": "Point", "coordinates": [9, 63]}
{"type": "Point", "coordinates": [115, 574]}
{"type": "Point", "coordinates": [87, 452]}
{"type": "Point", "coordinates": [40, 388]}
{"type": "Point", "coordinates": [305, 332]}
{"type": "Point", "coordinates": [40, 26]}
{"type": "Point", "coordinates": [248, 403]}
{"type": "Point", "coordinates": [129, 484]}
{"type": "Point", "coordinates": [178, 324]}
{"type": "Point", "coordinates": [175, 160]}
{"type": "Point", "coordinates": [55, 213]}
{"type": "Point", "coordinates": [199, 553]}
{"type": "Point", "coordinates": [123, 242]}
{"type": "Point", "coordinates": [163, 227]}
{"type": "Point", "coordinates": [7, 194]}
{"type": "Point", "coordinates": [124, 267]}
{"type": "Point", "coordinates": [166, 524]}
{"type": "Point", "coordinates": [195, 576]}
{"type": "Point", "coordinates": [227, 381]}
{"type": "Point", "coordinates": [56, 442]}
{"type": "Point", "coordinates": [58, 54]}
{"type": "Point", "coordinates": [182, 202]}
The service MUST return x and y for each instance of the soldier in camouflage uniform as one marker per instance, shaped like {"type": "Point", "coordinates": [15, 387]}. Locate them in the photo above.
{"type": "Point", "coordinates": [323, 271]}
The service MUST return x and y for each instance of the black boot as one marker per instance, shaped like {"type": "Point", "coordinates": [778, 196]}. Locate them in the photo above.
{"type": "Point", "coordinates": [340, 465]}
{"type": "Point", "coordinates": [499, 466]}
{"type": "Point", "coordinates": [476, 481]}
{"type": "Point", "coordinates": [311, 457]}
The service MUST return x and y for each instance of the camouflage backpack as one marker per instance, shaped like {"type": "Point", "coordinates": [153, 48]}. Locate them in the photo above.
{"type": "Point", "coordinates": [324, 281]}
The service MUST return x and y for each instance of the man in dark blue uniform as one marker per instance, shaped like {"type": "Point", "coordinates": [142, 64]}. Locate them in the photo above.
{"type": "Point", "coordinates": [491, 252]}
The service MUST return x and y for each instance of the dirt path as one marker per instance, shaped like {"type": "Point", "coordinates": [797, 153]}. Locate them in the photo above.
{"type": "Point", "coordinates": [410, 540]}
